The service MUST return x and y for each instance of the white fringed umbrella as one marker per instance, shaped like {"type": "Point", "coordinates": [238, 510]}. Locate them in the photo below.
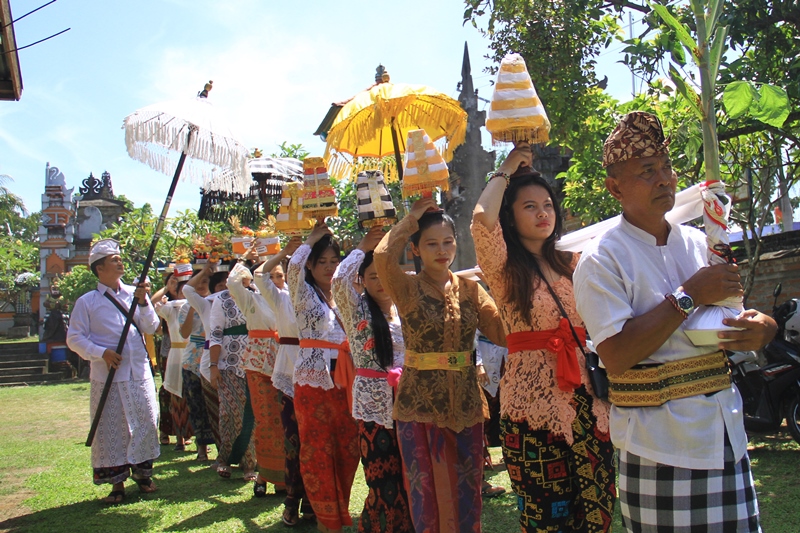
{"type": "Point", "coordinates": [163, 136]}
{"type": "Point", "coordinates": [160, 135]}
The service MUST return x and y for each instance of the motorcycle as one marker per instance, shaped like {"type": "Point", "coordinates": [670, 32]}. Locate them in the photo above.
{"type": "Point", "coordinates": [771, 392]}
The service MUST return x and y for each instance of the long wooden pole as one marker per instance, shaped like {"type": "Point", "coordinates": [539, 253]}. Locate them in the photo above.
{"type": "Point", "coordinates": [129, 318]}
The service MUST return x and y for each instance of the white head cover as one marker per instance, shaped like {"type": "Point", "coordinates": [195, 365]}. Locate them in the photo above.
{"type": "Point", "coordinates": [103, 248]}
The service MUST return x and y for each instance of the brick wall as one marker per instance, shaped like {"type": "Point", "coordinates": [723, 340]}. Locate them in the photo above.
{"type": "Point", "coordinates": [774, 267]}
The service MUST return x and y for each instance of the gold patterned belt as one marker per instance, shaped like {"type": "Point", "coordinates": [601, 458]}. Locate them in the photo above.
{"type": "Point", "coordinates": [651, 386]}
{"type": "Point", "coordinates": [179, 345]}
{"type": "Point", "coordinates": [438, 360]}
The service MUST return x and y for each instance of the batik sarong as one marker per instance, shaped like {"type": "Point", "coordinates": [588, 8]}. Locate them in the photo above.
{"type": "Point", "coordinates": [654, 497]}
{"type": "Point", "coordinates": [561, 487]}
{"type": "Point", "coordinates": [236, 442]}
{"type": "Point", "coordinates": [329, 454]}
{"type": "Point", "coordinates": [211, 398]}
{"type": "Point", "coordinates": [198, 415]}
{"type": "Point", "coordinates": [127, 433]}
{"type": "Point", "coordinates": [295, 490]}
{"type": "Point", "coordinates": [268, 432]}
{"type": "Point", "coordinates": [444, 473]}
{"type": "Point", "coordinates": [386, 507]}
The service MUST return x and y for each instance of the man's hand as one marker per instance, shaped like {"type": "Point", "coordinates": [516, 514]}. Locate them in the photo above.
{"type": "Point", "coordinates": [714, 284]}
{"type": "Point", "coordinates": [141, 292]}
{"type": "Point", "coordinates": [759, 329]}
{"type": "Point", "coordinates": [112, 359]}
{"type": "Point", "coordinates": [214, 377]}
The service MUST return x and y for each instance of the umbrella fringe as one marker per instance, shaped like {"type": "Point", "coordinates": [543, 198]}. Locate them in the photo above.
{"type": "Point", "coordinates": [158, 144]}
{"type": "Point", "coordinates": [539, 135]}
{"type": "Point", "coordinates": [418, 188]}
{"type": "Point", "coordinates": [342, 168]}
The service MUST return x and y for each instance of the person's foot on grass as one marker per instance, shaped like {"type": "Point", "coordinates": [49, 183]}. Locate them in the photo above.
{"type": "Point", "coordinates": [116, 496]}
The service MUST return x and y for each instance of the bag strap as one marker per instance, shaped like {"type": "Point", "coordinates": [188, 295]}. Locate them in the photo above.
{"type": "Point", "coordinates": [561, 308]}
{"type": "Point", "coordinates": [123, 311]}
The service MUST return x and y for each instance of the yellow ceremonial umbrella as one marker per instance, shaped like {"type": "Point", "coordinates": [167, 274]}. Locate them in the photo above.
{"type": "Point", "coordinates": [374, 125]}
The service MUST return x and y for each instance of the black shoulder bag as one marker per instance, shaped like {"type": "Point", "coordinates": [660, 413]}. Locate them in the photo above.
{"type": "Point", "coordinates": [597, 374]}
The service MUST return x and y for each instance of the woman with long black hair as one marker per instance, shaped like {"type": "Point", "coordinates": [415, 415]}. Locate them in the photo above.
{"type": "Point", "coordinates": [556, 441]}
{"type": "Point", "coordinates": [328, 433]}
{"type": "Point", "coordinates": [376, 343]}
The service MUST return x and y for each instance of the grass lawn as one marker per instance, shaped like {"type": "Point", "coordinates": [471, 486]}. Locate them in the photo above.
{"type": "Point", "coordinates": [46, 485]}
{"type": "Point", "coordinates": [6, 340]}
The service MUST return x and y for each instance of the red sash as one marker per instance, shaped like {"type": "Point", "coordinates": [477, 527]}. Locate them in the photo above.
{"type": "Point", "coordinates": [561, 342]}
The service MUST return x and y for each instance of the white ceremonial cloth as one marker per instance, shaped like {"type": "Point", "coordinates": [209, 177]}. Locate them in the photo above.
{"type": "Point", "coordinates": [280, 301]}
{"type": "Point", "coordinates": [96, 324]}
{"type": "Point", "coordinates": [128, 430]}
{"type": "Point", "coordinates": [203, 307]}
{"type": "Point", "coordinates": [173, 376]}
{"type": "Point", "coordinates": [624, 274]}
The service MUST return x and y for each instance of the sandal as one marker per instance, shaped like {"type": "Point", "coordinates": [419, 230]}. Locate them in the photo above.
{"type": "Point", "coordinates": [114, 498]}
{"type": "Point", "coordinates": [491, 491]}
{"type": "Point", "coordinates": [146, 485]}
{"type": "Point", "coordinates": [202, 457]}
{"type": "Point", "coordinates": [259, 489]}
{"type": "Point", "coordinates": [250, 476]}
{"type": "Point", "coordinates": [290, 516]}
{"type": "Point", "coordinates": [180, 447]}
{"type": "Point", "coordinates": [224, 471]}
{"type": "Point", "coordinates": [164, 439]}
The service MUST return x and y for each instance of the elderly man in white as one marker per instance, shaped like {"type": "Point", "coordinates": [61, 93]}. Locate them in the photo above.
{"type": "Point", "coordinates": [127, 435]}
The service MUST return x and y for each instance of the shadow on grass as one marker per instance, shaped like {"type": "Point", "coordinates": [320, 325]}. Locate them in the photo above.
{"type": "Point", "coordinates": [190, 496]}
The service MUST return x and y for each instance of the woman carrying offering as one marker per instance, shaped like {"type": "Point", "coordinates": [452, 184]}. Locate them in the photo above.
{"type": "Point", "coordinates": [259, 360]}
{"type": "Point", "coordinates": [226, 348]}
{"type": "Point", "coordinates": [192, 328]}
{"type": "Point", "coordinates": [200, 292]}
{"type": "Point", "coordinates": [376, 340]}
{"type": "Point", "coordinates": [328, 432]}
{"type": "Point", "coordinates": [555, 431]}
{"type": "Point", "coordinates": [439, 406]}
{"type": "Point", "coordinates": [271, 282]}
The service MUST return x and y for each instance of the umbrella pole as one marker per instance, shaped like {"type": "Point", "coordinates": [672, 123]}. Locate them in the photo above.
{"type": "Point", "coordinates": [397, 152]}
{"type": "Point", "coordinates": [129, 318]}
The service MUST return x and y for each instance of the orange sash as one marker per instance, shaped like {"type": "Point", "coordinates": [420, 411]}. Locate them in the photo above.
{"type": "Point", "coordinates": [263, 334]}
{"type": "Point", "coordinates": [345, 372]}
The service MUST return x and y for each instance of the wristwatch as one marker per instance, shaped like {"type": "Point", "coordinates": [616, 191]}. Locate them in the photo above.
{"type": "Point", "coordinates": [682, 302]}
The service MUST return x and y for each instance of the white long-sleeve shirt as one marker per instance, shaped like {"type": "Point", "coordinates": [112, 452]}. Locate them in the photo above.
{"type": "Point", "coordinates": [258, 315]}
{"type": "Point", "coordinates": [203, 307]}
{"type": "Point", "coordinates": [280, 301]}
{"type": "Point", "coordinates": [625, 274]}
{"type": "Point", "coordinates": [96, 325]}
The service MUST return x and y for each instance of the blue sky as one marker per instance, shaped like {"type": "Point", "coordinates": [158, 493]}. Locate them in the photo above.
{"type": "Point", "coordinates": [276, 67]}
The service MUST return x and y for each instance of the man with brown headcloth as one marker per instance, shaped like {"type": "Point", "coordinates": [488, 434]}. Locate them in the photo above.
{"type": "Point", "coordinates": [127, 437]}
{"type": "Point", "coordinates": [683, 463]}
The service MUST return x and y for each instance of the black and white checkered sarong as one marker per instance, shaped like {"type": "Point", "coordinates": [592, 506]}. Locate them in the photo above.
{"type": "Point", "coordinates": [657, 498]}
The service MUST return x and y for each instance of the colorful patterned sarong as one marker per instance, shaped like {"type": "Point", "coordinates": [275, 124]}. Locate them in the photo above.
{"type": "Point", "coordinates": [211, 398]}
{"type": "Point", "coordinates": [232, 404]}
{"type": "Point", "coordinates": [561, 487]}
{"type": "Point", "coordinates": [444, 473]}
{"type": "Point", "coordinates": [295, 491]}
{"type": "Point", "coordinates": [386, 507]}
{"type": "Point", "coordinates": [268, 431]}
{"type": "Point", "coordinates": [329, 454]}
